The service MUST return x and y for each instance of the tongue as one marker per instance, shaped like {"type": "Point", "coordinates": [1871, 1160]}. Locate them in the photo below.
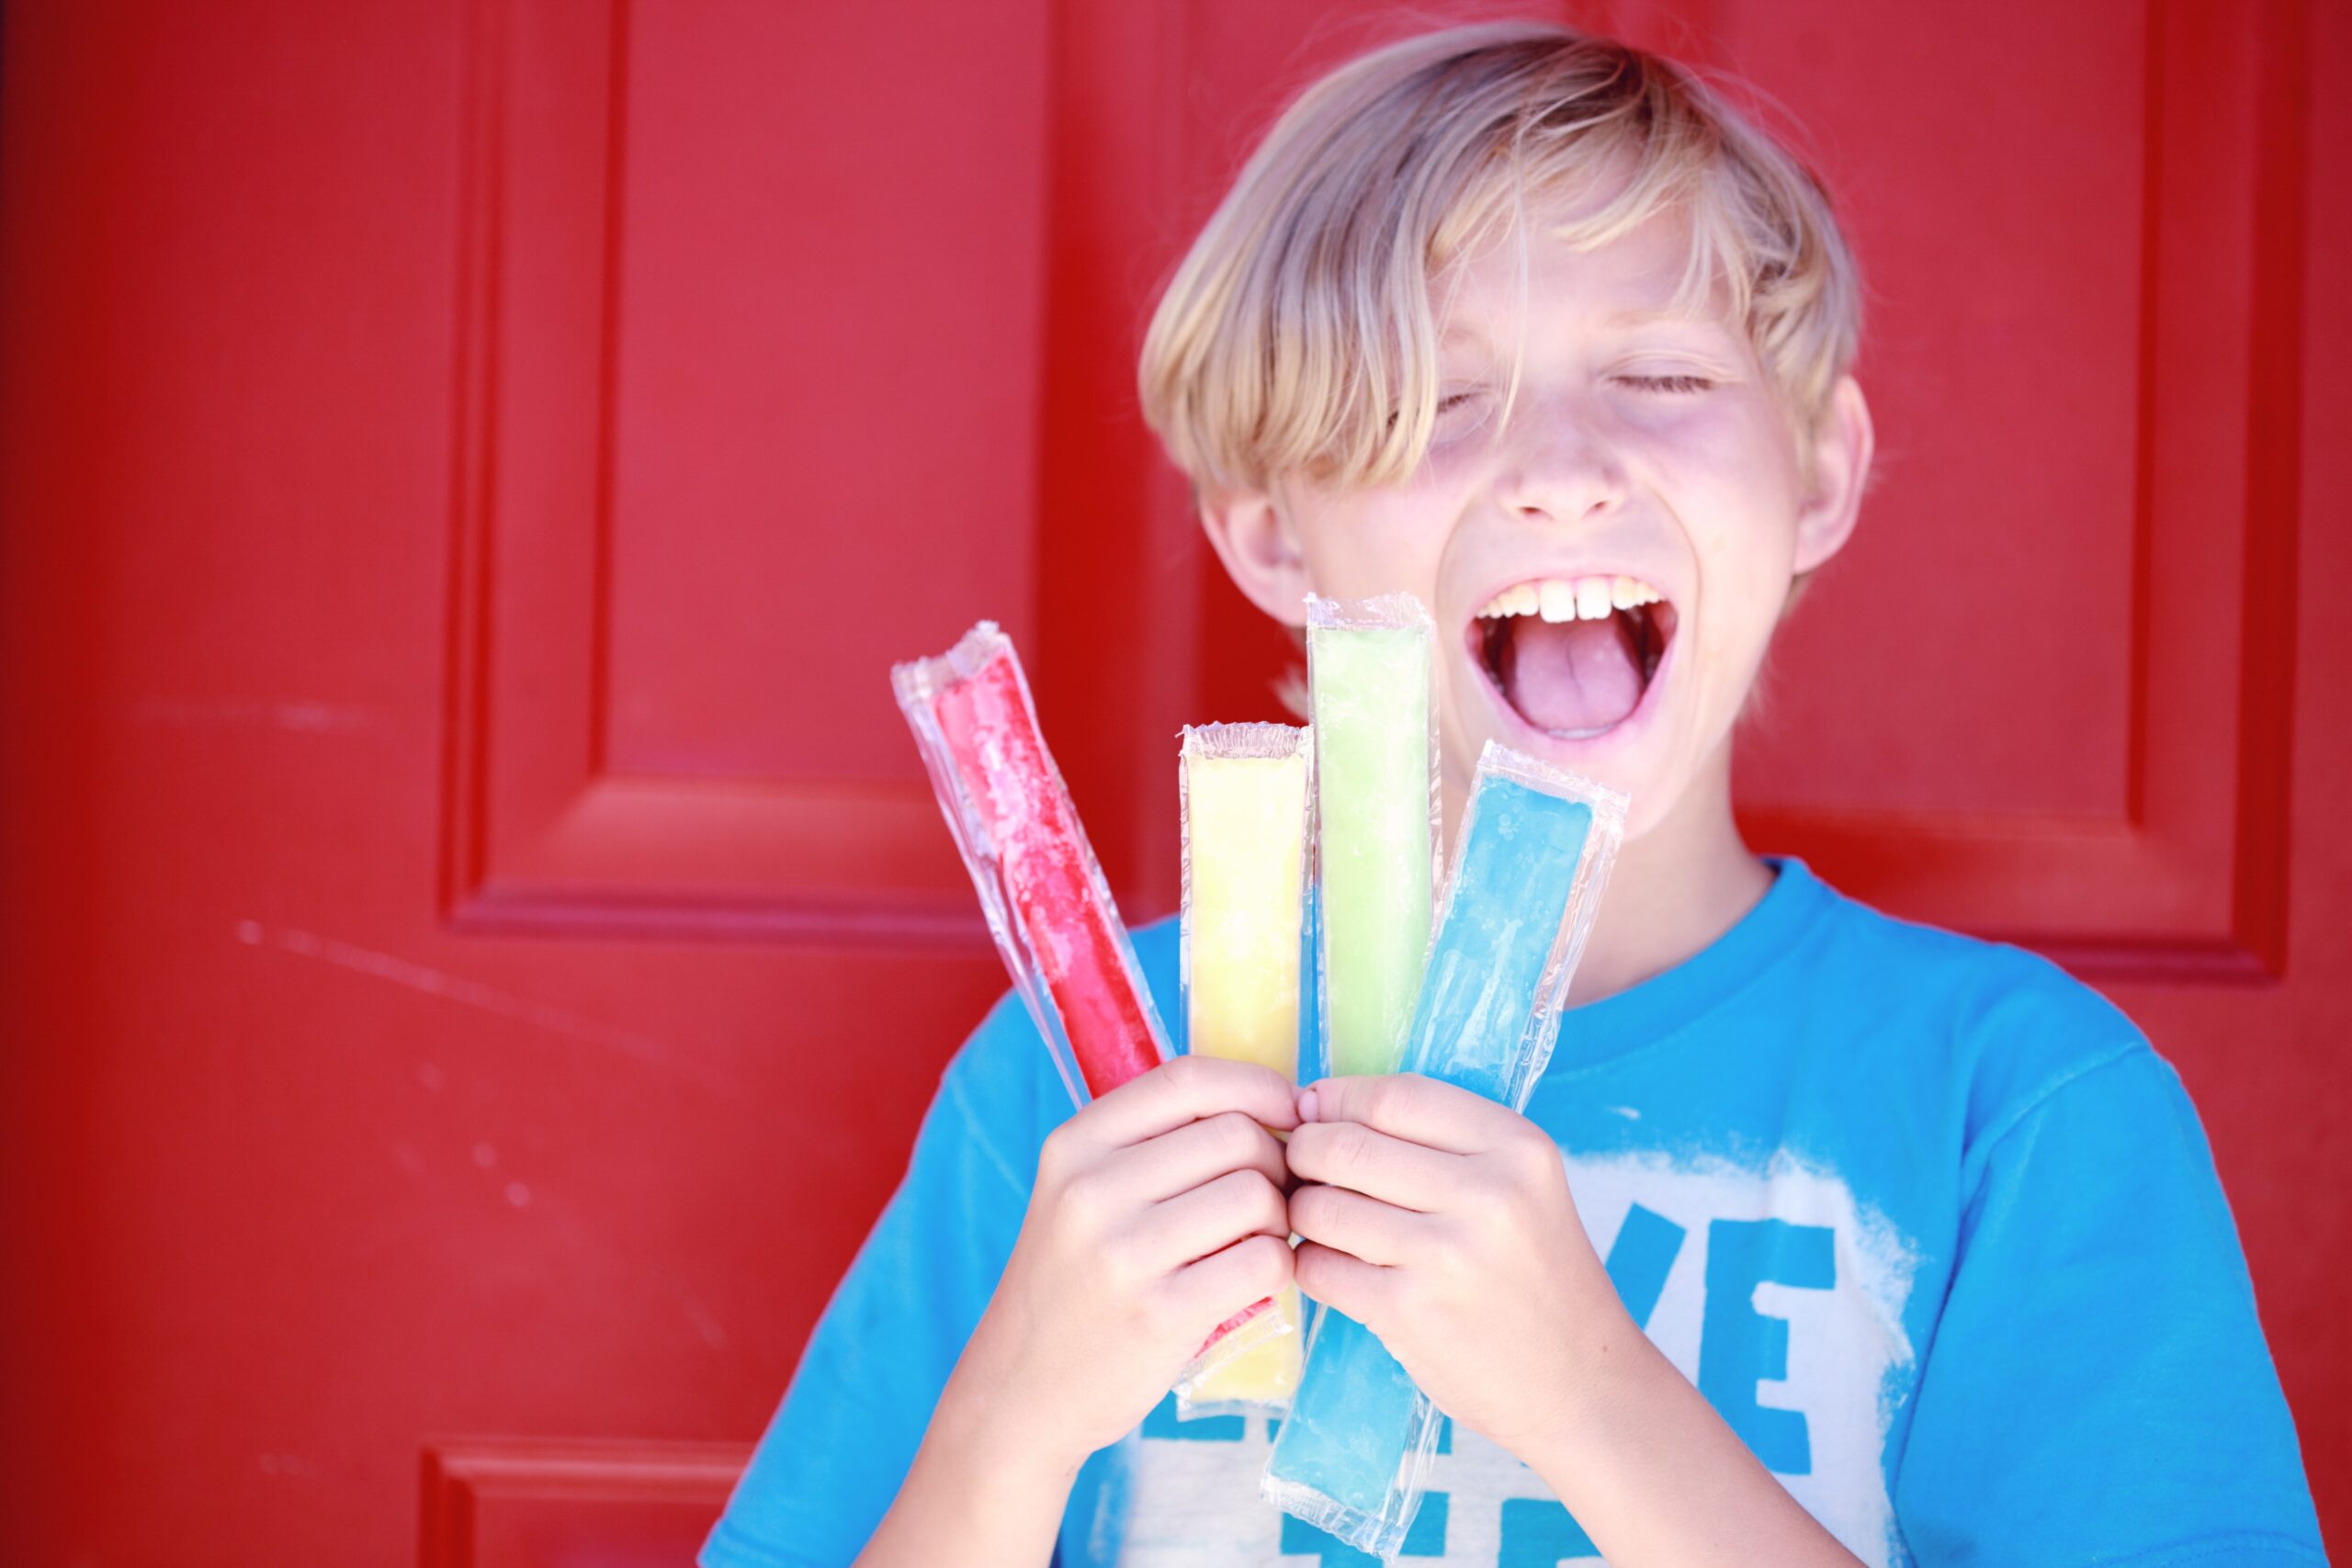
{"type": "Point", "coordinates": [1566, 676]}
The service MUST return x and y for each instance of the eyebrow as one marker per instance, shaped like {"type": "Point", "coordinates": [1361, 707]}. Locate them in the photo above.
{"type": "Point", "coordinates": [1644, 318]}
{"type": "Point", "coordinates": [1457, 332]}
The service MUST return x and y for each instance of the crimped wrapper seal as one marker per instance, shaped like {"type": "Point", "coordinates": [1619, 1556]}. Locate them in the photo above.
{"type": "Point", "coordinates": [1040, 886]}
{"type": "Point", "coordinates": [1246, 742]}
{"type": "Point", "coordinates": [1379, 1533]}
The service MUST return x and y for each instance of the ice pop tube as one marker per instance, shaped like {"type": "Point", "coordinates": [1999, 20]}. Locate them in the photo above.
{"type": "Point", "coordinates": [1370, 670]}
{"type": "Point", "coordinates": [1535, 849]}
{"type": "Point", "coordinates": [1245, 801]}
{"type": "Point", "coordinates": [1040, 886]}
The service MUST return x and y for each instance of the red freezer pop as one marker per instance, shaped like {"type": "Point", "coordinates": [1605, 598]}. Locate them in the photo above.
{"type": "Point", "coordinates": [1048, 871]}
{"type": "Point", "coordinates": [1047, 906]}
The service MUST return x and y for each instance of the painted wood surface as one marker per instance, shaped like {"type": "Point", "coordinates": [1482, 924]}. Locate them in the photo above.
{"type": "Point", "coordinates": [476, 941]}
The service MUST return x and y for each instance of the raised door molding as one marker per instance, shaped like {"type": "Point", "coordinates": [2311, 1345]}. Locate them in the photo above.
{"type": "Point", "coordinates": [512, 1503]}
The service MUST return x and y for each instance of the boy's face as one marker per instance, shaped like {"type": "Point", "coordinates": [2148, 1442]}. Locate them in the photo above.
{"type": "Point", "coordinates": [1647, 453]}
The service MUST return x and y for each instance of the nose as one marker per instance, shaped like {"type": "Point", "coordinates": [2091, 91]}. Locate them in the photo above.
{"type": "Point", "coordinates": [1561, 466]}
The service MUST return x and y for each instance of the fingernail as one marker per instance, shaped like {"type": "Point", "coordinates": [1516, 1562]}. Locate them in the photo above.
{"type": "Point", "coordinates": [1306, 1105]}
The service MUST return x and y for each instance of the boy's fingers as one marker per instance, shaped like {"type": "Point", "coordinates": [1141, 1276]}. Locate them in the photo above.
{"type": "Point", "coordinates": [1351, 1155]}
{"type": "Point", "coordinates": [1344, 1282]}
{"type": "Point", "coordinates": [1211, 1218]}
{"type": "Point", "coordinates": [1361, 1226]}
{"type": "Point", "coordinates": [1419, 1110]}
{"type": "Point", "coordinates": [1187, 1090]}
{"type": "Point", "coordinates": [1223, 1283]}
{"type": "Point", "coordinates": [1194, 1153]}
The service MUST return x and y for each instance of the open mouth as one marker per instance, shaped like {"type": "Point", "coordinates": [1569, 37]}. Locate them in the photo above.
{"type": "Point", "coordinates": [1573, 657]}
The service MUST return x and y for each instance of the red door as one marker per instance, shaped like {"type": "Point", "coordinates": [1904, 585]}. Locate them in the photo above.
{"type": "Point", "coordinates": [476, 937]}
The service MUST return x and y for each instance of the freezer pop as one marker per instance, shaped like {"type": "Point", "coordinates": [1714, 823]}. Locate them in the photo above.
{"type": "Point", "coordinates": [1535, 849]}
{"type": "Point", "coordinates": [1369, 671]}
{"type": "Point", "coordinates": [1044, 893]}
{"type": "Point", "coordinates": [1245, 812]}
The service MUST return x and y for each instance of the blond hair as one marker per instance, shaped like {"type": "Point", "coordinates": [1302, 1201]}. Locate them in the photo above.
{"type": "Point", "coordinates": [1298, 336]}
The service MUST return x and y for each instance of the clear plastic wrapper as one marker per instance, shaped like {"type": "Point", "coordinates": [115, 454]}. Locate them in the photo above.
{"type": "Point", "coordinates": [1371, 673]}
{"type": "Point", "coordinates": [1247, 811]}
{"type": "Point", "coordinates": [1488, 1013]}
{"type": "Point", "coordinates": [1041, 888]}
{"type": "Point", "coordinates": [1535, 852]}
{"type": "Point", "coordinates": [1044, 893]}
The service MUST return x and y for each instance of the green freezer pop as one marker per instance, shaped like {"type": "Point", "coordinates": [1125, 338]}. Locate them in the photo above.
{"type": "Point", "coordinates": [1369, 666]}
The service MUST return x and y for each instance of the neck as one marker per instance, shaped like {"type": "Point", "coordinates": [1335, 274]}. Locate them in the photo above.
{"type": "Point", "coordinates": [1676, 890]}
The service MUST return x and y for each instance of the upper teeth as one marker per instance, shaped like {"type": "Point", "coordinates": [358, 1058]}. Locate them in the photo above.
{"type": "Point", "coordinates": [1572, 599]}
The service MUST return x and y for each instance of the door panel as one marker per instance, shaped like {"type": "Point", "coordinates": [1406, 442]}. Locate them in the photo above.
{"type": "Point", "coordinates": [687, 549]}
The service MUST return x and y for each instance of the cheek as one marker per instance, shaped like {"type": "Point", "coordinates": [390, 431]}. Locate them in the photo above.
{"type": "Point", "coordinates": [1367, 546]}
{"type": "Point", "coordinates": [1746, 580]}
{"type": "Point", "coordinates": [1735, 495]}
{"type": "Point", "coordinates": [1747, 558]}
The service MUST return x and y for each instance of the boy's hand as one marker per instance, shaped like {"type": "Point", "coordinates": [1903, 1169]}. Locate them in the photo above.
{"type": "Point", "coordinates": [1442, 1222]}
{"type": "Point", "coordinates": [1158, 1215]}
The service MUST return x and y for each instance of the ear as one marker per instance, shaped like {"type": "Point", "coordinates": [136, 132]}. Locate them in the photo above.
{"type": "Point", "coordinates": [1841, 448]}
{"type": "Point", "coordinates": [1259, 550]}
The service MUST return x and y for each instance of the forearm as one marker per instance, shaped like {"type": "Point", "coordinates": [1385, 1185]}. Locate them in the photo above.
{"type": "Point", "coordinates": [1656, 1477]}
{"type": "Point", "coordinates": [981, 1492]}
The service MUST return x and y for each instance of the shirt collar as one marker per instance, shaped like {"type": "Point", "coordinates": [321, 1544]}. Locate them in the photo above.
{"type": "Point", "coordinates": [1665, 1003]}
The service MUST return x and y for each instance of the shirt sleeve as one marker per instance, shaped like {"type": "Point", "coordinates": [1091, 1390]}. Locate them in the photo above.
{"type": "Point", "coordinates": [840, 1446]}
{"type": "Point", "coordinates": [2097, 1388]}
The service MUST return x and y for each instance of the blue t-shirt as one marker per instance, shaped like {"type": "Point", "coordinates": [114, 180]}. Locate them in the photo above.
{"type": "Point", "coordinates": [1928, 1223]}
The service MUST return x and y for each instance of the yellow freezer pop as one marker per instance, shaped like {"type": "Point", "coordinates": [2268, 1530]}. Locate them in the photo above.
{"type": "Point", "coordinates": [1245, 803]}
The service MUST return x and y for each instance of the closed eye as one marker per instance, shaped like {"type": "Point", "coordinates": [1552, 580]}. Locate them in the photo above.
{"type": "Point", "coordinates": [1447, 404]}
{"type": "Point", "coordinates": [1668, 384]}
{"type": "Point", "coordinates": [1459, 416]}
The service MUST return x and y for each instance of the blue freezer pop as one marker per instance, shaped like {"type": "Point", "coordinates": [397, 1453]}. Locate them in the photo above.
{"type": "Point", "coordinates": [1502, 920]}
{"type": "Point", "coordinates": [1359, 1429]}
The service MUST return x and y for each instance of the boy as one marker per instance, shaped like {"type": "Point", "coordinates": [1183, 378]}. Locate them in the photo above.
{"type": "Point", "coordinates": [1825, 1236]}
